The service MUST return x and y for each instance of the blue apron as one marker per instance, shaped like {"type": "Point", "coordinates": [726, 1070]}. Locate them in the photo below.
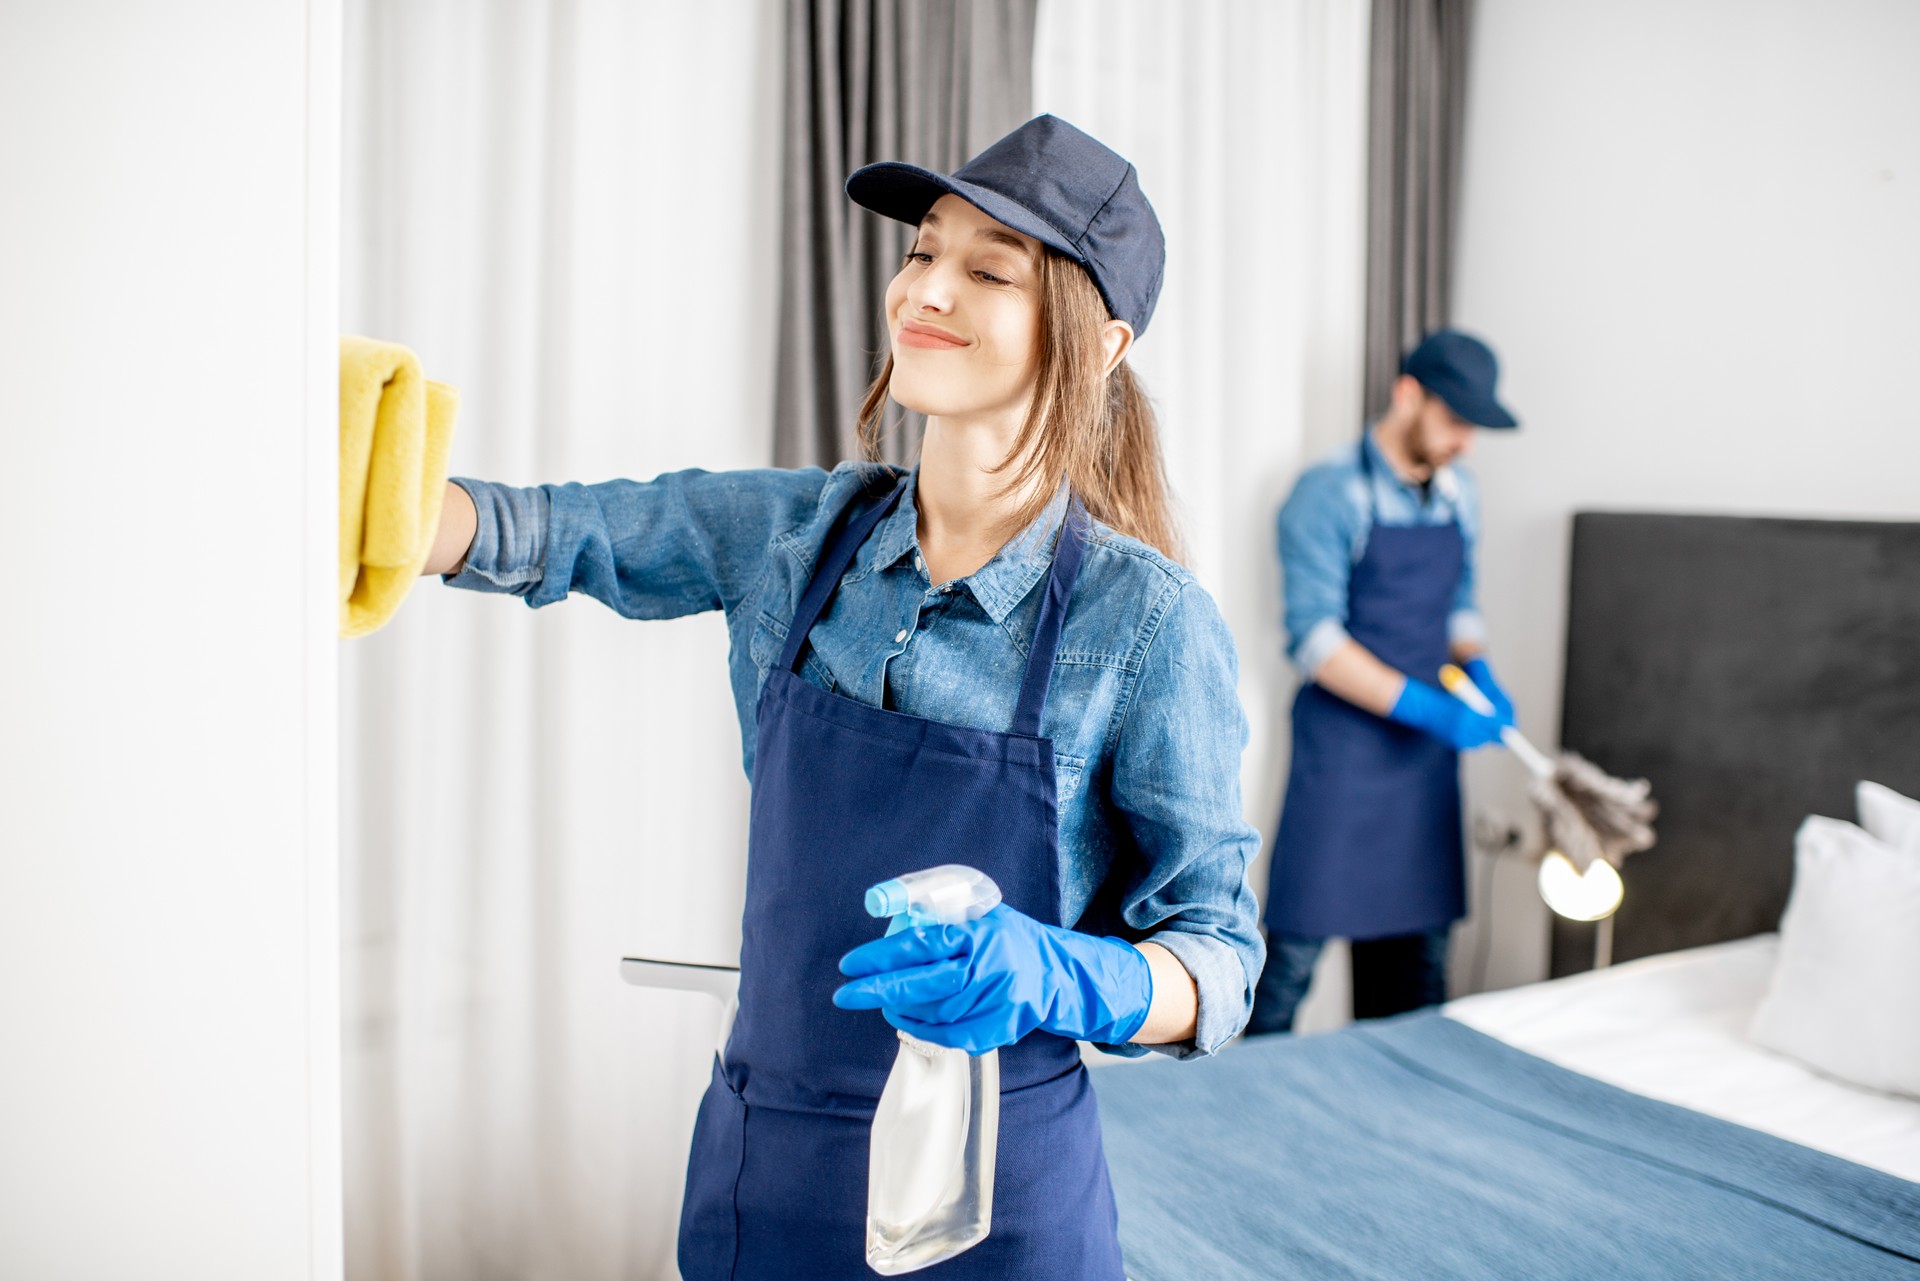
{"type": "Point", "coordinates": [1370, 842]}
{"type": "Point", "coordinates": [844, 796]}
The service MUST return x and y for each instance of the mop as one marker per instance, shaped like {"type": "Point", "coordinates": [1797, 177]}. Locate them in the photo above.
{"type": "Point", "coordinates": [1589, 814]}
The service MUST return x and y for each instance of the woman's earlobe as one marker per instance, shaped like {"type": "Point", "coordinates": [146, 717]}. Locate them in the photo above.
{"type": "Point", "coordinates": [1116, 336]}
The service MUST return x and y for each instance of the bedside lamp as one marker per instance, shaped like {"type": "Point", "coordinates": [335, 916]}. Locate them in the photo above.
{"type": "Point", "coordinates": [1590, 896]}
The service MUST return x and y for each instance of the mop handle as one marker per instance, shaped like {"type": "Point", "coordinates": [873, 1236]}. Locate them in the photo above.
{"type": "Point", "coordinates": [1461, 686]}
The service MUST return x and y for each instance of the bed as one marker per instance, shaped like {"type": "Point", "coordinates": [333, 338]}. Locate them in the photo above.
{"type": "Point", "coordinates": [1619, 1122]}
{"type": "Point", "coordinates": [1613, 1124]}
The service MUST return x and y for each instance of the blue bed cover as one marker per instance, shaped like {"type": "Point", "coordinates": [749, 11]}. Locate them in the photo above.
{"type": "Point", "coordinates": [1417, 1147]}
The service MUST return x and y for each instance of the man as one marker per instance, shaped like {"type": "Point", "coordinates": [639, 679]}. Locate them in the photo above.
{"type": "Point", "coordinates": [1376, 549]}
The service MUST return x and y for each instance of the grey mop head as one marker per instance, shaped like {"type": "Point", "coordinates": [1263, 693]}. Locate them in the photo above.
{"type": "Point", "coordinates": [1591, 814]}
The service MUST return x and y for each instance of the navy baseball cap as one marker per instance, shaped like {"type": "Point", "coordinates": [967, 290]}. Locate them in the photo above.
{"type": "Point", "coordinates": [1461, 370]}
{"type": "Point", "coordinates": [1059, 186]}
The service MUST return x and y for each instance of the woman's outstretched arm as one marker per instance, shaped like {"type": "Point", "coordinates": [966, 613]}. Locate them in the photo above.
{"type": "Point", "coordinates": [455, 536]}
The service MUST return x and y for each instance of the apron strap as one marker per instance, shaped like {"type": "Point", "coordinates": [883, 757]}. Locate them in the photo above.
{"type": "Point", "coordinates": [854, 527]}
{"type": "Point", "coordinates": [1366, 476]}
{"type": "Point", "coordinates": [1053, 614]}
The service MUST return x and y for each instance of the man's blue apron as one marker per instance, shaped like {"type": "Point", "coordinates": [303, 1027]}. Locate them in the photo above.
{"type": "Point", "coordinates": [844, 796]}
{"type": "Point", "coordinates": [1370, 842]}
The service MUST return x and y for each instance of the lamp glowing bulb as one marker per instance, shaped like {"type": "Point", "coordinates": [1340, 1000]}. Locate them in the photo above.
{"type": "Point", "coordinates": [1589, 897]}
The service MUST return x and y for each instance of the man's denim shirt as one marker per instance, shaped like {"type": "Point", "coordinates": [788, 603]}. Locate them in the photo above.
{"type": "Point", "coordinates": [1143, 712]}
{"type": "Point", "coordinates": [1324, 526]}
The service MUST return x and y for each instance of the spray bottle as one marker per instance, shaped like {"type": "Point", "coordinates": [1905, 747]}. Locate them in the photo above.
{"type": "Point", "coordinates": [936, 1131]}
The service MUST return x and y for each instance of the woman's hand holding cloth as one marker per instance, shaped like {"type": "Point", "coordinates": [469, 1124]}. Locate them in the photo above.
{"type": "Point", "coordinates": [396, 428]}
{"type": "Point", "coordinates": [988, 982]}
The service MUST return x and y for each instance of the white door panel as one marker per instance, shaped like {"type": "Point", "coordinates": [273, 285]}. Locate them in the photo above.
{"type": "Point", "coordinates": [168, 927]}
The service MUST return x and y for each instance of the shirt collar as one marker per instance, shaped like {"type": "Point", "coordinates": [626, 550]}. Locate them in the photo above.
{"type": "Point", "coordinates": [1444, 482]}
{"type": "Point", "coordinates": [895, 538]}
{"type": "Point", "coordinates": [1002, 582]}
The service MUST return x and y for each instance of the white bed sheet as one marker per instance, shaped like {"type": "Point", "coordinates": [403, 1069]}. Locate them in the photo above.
{"type": "Point", "coordinates": [1674, 1028]}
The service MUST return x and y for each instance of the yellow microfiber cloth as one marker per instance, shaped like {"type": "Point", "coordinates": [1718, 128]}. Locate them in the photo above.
{"type": "Point", "coordinates": [396, 428]}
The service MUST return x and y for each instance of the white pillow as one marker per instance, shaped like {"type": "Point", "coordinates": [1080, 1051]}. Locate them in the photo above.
{"type": "Point", "coordinates": [1845, 997]}
{"type": "Point", "coordinates": [1888, 815]}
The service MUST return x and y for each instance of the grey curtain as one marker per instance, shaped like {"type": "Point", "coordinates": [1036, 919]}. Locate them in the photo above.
{"type": "Point", "coordinates": [1417, 78]}
{"type": "Point", "coordinates": [931, 82]}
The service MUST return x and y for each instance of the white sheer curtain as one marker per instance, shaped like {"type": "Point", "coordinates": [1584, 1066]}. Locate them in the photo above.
{"type": "Point", "coordinates": [568, 210]}
{"type": "Point", "coordinates": [1248, 122]}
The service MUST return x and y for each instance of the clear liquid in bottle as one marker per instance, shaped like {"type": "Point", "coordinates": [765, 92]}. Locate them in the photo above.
{"type": "Point", "coordinates": [930, 1168]}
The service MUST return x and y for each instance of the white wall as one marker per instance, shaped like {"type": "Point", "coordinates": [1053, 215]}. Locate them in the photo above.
{"type": "Point", "coordinates": [1692, 232]}
{"type": "Point", "coordinates": [168, 929]}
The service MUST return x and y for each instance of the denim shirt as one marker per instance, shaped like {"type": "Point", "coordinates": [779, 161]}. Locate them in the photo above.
{"type": "Point", "coordinates": [1143, 712]}
{"type": "Point", "coordinates": [1323, 530]}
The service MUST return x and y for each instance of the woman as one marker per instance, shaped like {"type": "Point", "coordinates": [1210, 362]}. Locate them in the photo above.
{"type": "Point", "coordinates": [989, 660]}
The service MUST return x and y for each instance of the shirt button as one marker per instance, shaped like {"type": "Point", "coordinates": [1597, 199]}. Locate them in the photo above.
{"type": "Point", "coordinates": [900, 636]}
{"type": "Point", "coordinates": [919, 564]}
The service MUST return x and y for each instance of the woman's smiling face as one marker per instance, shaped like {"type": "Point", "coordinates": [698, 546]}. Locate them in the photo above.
{"type": "Point", "coordinates": [964, 316]}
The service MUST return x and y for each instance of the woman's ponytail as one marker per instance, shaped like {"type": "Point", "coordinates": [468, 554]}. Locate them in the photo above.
{"type": "Point", "coordinates": [1137, 500]}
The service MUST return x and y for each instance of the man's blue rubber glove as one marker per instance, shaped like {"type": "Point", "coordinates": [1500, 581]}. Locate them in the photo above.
{"type": "Point", "coordinates": [1482, 675]}
{"type": "Point", "coordinates": [989, 982]}
{"type": "Point", "coordinates": [1430, 708]}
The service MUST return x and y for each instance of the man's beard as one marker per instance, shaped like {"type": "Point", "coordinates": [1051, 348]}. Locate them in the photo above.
{"type": "Point", "coordinates": [1417, 451]}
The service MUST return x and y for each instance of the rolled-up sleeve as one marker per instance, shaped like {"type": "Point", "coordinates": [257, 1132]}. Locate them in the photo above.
{"type": "Point", "coordinates": [509, 539]}
{"type": "Point", "coordinates": [685, 542]}
{"type": "Point", "coordinates": [1176, 783]}
{"type": "Point", "coordinates": [1316, 534]}
{"type": "Point", "coordinates": [1467, 627]}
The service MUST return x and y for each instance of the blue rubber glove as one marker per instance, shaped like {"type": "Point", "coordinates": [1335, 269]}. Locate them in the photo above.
{"type": "Point", "coordinates": [1482, 675]}
{"type": "Point", "coordinates": [989, 982]}
{"type": "Point", "coordinates": [1430, 708]}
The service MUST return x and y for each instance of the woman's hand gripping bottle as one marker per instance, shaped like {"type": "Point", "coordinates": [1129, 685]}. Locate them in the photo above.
{"type": "Point", "coordinates": [935, 1133]}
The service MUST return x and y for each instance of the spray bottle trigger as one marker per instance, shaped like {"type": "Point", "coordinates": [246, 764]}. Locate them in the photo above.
{"type": "Point", "coordinates": [914, 915]}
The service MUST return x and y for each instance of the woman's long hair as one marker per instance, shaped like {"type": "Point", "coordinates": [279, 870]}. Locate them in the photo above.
{"type": "Point", "coordinates": [1097, 434]}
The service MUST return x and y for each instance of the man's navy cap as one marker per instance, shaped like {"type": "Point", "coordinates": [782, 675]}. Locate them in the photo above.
{"type": "Point", "coordinates": [1461, 370]}
{"type": "Point", "coordinates": [1059, 186]}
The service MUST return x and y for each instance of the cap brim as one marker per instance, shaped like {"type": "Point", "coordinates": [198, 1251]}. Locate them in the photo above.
{"type": "Point", "coordinates": [1479, 413]}
{"type": "Point", "coordinates": [905, 192]}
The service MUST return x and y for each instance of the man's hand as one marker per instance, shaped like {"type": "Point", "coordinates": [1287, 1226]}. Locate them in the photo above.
{"type": "Point", "coordinates": [1430, 708]}
{"type": "Point", "coordinates": [1482, 676]}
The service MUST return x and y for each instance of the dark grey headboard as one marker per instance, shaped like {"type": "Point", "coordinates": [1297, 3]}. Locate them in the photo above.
{"type": "Point", "coordinates": [1753, 669]}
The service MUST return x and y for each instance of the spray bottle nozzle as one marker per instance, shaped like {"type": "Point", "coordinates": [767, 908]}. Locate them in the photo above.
{"type": "Point", "coordinates": [945, 895]}
{"type": "Point", "coordinates": [888, 898]}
